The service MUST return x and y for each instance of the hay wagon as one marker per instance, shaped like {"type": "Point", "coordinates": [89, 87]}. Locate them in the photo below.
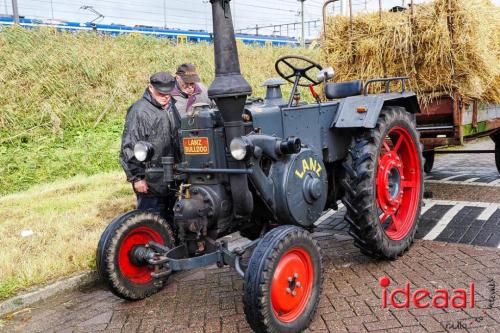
{"type": "Point", "coordinates": [454, 120]}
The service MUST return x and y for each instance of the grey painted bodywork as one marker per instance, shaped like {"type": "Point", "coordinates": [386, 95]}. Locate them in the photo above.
{"type": "Point", "coordinates": [324, 128]}
{"type": "Point", "coordinates": [348, 117]}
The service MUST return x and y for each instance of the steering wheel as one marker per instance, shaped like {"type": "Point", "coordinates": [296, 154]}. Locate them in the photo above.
{"type": "Point", "coordinates": [299, 69]}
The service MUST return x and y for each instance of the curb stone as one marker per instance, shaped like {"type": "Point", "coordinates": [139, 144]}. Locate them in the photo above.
{"type": "Point", "coordinates": [24, 300]}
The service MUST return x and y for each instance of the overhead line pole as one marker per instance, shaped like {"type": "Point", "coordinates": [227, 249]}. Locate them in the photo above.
{"type": "Point", "coordinates": [302, 40]}
{"type": "Point", "coordinates": [165, 14]}
{"type": "Point", "coordinates": [15, 11]}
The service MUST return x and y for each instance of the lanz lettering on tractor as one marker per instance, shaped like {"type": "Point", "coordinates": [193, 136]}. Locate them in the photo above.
{"type": "Point", "coordinates": [268, 168]}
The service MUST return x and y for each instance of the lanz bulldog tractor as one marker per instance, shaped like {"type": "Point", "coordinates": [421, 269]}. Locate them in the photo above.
{"type": "Point", "coordinates": [268, 168]}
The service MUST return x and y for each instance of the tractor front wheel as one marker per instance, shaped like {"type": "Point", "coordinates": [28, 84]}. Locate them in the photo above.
{"type": "Point", "coordinates": [384, 185]}
{"type": "Point", "coordinates": [283, 281]}
{"type": "Point", "coordinates": [126, 276]}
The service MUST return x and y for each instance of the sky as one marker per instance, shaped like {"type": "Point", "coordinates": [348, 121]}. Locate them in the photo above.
{"type": "Point", "coordinates": [194, 14]}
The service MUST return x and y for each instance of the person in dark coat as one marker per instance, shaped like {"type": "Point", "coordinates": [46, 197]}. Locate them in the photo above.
{"type": "Point", "coordinates": [189, 91]}
{"type": "Point", "coordinates": [155, 119]}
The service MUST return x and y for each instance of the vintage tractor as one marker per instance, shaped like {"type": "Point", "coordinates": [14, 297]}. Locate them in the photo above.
{"type": "Point", "coordinates": [268, 168]}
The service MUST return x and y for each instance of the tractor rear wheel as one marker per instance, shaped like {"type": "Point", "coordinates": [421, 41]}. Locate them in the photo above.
{"type": "Point", "coordinates": [283, 281]}
{"type": "Point", "coordinates": [384, 185]}
{"type": "Point", "coordinates": [126, 277]}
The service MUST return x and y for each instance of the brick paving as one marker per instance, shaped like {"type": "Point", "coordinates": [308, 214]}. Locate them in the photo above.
{"type": "Point", "coordinates": [209, 300]}
{"type": "Point", "coordinates": [476, 169]}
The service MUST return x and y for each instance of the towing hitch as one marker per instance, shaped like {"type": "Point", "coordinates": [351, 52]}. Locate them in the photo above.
{"type": "Point", "coordinates": [166, 261]}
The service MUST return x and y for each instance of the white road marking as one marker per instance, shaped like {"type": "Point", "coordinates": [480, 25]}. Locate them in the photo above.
{"type": "Point", "coordinates": [450, 178]}
{"type": "Point", "coordinates": [324, 217]}
{"type": "Point", "coordinates": [495, 183]}
{"type": "Point", "coordinates": [428, 205]}
{"type": "Point", "coordinates": [441, 225]}
{"type": "Point", "coordinates": [463, 203]}
{"type": "Point", "coordinates": [487, 212]}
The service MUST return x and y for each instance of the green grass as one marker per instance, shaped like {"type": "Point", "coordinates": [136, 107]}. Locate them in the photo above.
{"type": "Point", "coordinates": [55, 86]}
{"type": "Point", "coordinates": [67, 218]}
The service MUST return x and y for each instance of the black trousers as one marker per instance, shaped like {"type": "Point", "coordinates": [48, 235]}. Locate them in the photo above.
{"type": "Point", "coordinates": [161, 205]}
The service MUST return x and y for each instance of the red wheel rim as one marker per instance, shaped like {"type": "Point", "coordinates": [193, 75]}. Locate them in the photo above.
{"type": "Point", "coordinates": [398, 183]}
{"type": "Point", "coordinates": [137, 237]}
{"type": "Point", "coordinates": [292, 284]}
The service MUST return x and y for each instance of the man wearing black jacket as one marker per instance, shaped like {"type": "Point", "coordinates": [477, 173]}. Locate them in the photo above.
{"type": "Point", "coordinates": [153, 118]}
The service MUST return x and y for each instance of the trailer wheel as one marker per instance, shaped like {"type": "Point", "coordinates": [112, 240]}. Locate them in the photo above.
{"type": "Point", "coordinates": [497, 153]}
{"type": "Point", "coordinates": [283, 281]}
{"type": "Point", "coordinates": [125, 277]}
{"type": "Point", "coordinates": [384, 185]}
{"type": "Point", "coordinates": [429, 160]}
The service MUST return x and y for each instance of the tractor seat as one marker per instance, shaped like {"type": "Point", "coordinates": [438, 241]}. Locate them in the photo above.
{"type": "Point", "coordinates": [343, 89]}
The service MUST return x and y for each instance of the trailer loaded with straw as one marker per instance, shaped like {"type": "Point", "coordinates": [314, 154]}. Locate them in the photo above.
{"type": "Point", "coordinates": [448, 49]}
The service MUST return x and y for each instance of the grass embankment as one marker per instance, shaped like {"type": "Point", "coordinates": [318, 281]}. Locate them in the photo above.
{"type": "Point", "coordinates": [67, 218]}
{"type": "Point", "coordinates": [63, 96]}
{"type": "Point", "coordinates": [63, 100]}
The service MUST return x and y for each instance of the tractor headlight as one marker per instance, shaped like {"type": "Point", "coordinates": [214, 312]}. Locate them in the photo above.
{"type": "Point", "coordinates": [143, 151]}
{"type": "Point", "coordinates": [240, 149]}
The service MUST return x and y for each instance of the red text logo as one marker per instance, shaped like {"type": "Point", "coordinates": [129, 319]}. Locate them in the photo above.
{"type": "Point", "coordinates": [440, 298]}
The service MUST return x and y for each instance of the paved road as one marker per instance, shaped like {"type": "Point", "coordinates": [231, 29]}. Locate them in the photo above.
{"type": "Point", "coordinates": [209, 300]}
{"type": "Point", "coordinates": [475, 223]}
{"type": "Point", "coordinates": [466, 169]}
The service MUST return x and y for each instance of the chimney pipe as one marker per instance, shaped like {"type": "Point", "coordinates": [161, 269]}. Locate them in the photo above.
{"type": "Point", "coordinates": [229, 91]}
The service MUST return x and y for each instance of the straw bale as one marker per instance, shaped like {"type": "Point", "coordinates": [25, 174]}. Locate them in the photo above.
{"type": "Point", "coordinates": [442, 49]}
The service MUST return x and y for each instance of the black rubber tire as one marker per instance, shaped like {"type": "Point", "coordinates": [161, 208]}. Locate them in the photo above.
{"type": "Point", "coordinates": [259, 274]}
{"type": "Point", "coordinates": [497, 153]}
{"type": "Point", "coordinates": [109, 244]}
{"type": "Point", "coordinates": [360, 170]}
{"type": "Point", "coordinates": [429, 161]}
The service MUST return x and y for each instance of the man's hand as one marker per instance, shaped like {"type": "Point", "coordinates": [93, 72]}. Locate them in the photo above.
{"type": "Point", "coordinates": [141, 186]}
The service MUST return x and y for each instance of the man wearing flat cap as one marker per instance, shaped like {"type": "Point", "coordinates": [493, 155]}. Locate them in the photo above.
{"type": "Point", "coordinates": [155, 119]}
{"type": "Point", "coordinates": [188, 90]}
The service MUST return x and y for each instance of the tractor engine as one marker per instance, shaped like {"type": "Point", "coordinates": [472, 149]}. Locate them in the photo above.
{"type": "Point", "coordinates": [288, 181]}
{"type": "Point", "coordinates": [204, 205]}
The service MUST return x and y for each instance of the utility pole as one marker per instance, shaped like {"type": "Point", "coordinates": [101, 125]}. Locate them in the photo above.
{"type": "Point", "coordinates": [15, 11]}
{"type": "Point", "coordinates": [52, 8]}
{"type": "Point", "coordinates": [302, 40]}
{"type": "Point", "coordinates": [165, 14]}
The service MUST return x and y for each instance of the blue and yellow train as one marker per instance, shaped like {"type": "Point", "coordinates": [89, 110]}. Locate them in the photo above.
{"type": "Point", "coordinates": [181, 36]}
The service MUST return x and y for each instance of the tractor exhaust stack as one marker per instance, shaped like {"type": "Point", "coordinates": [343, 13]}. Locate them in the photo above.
{"type": "Point", "coordinates": [229, 90]}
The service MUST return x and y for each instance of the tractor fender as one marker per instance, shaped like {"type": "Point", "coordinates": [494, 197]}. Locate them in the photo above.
{"type": "Point", "coordinates": [364, 110]}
